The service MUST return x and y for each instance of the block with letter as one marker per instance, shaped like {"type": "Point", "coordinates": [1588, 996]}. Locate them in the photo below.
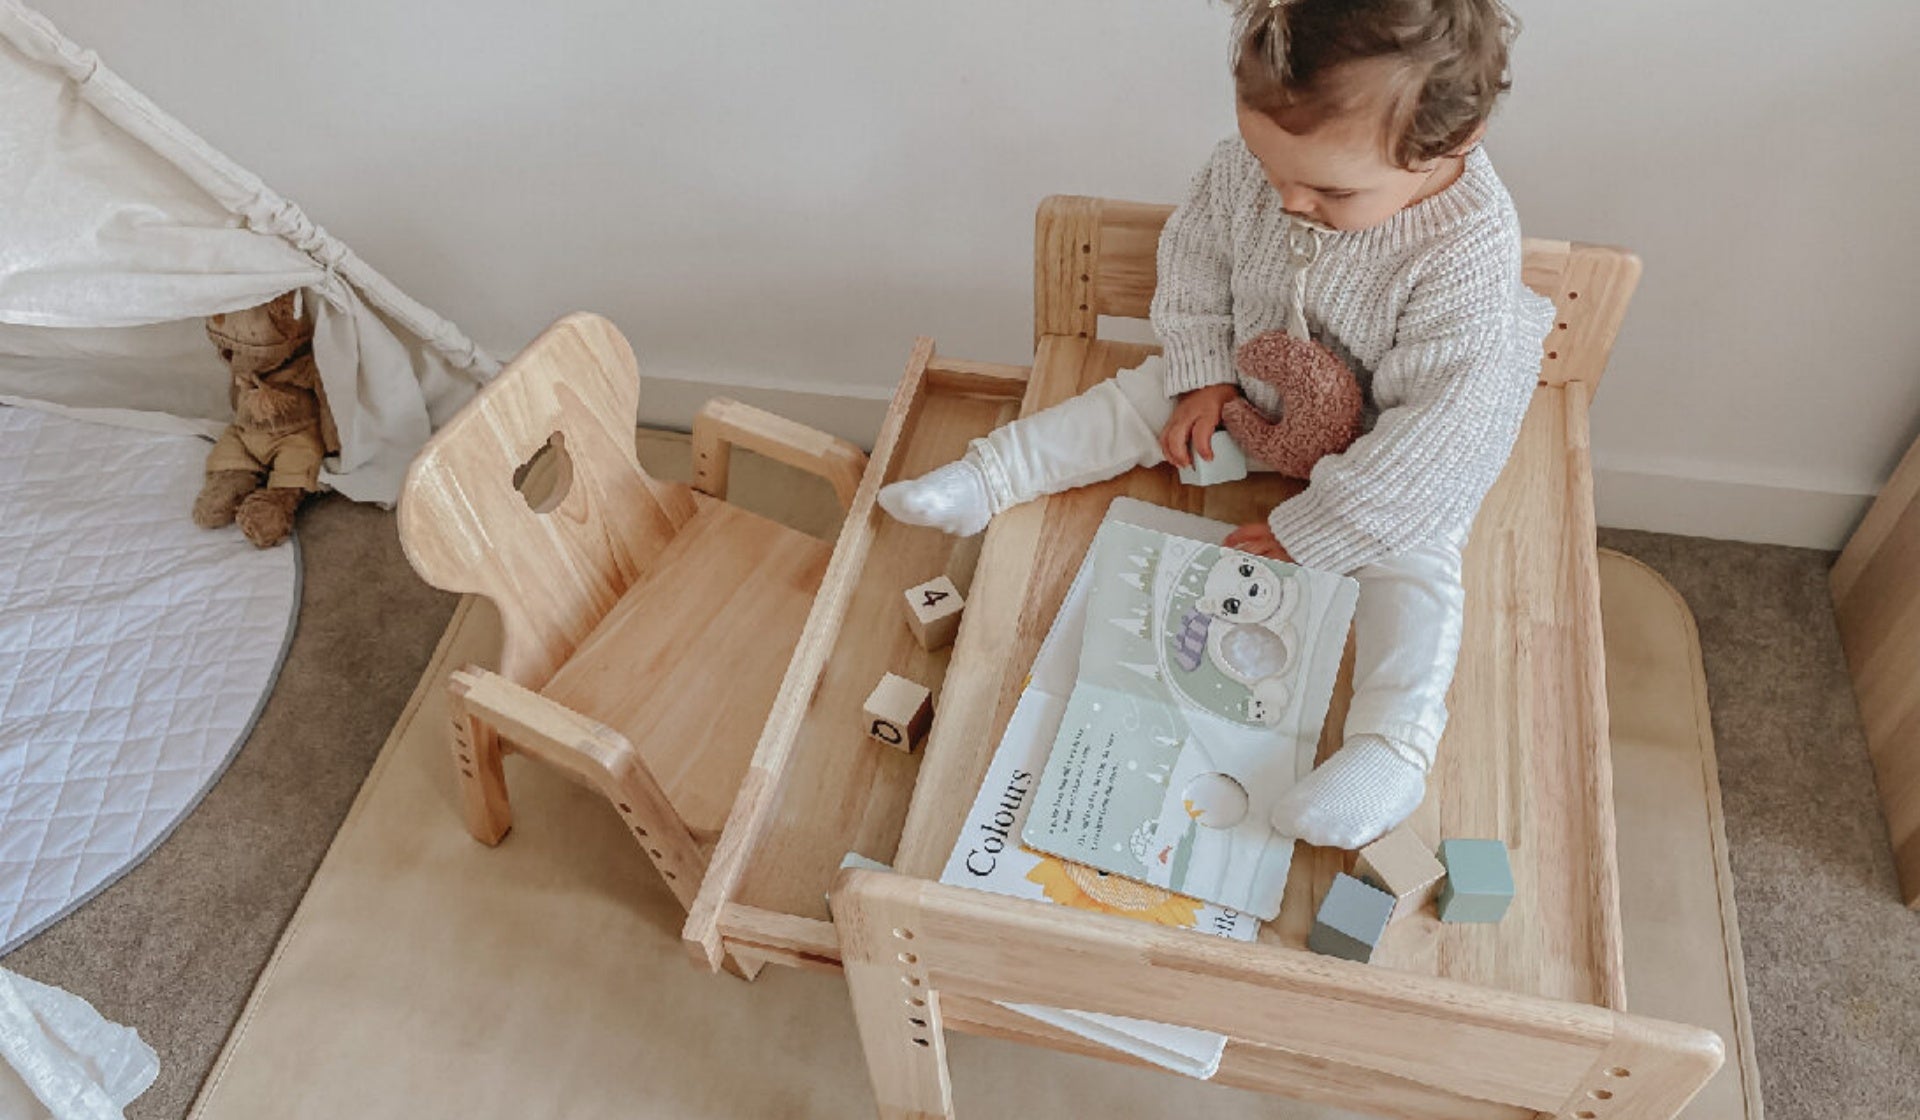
{"type": "Point", "coordinates": [898, 712]}
{"type": "Point", "coordinates": [933, 612]}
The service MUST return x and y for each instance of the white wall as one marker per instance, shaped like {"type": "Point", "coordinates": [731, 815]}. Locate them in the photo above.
{"type": "Point", "coordinates": [784, 193]}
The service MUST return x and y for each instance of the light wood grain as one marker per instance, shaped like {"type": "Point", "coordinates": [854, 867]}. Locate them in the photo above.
{"type": "Point", "coordinates": [595, 754]}
{"type": "Point", "coordinates": [1876, 598]}
{"type": "Point", "coordinates": [553, 576]}
{"type": "Point", "coordinates": [1260, 1068]}
{"type": "Point", "coordinates": [817, 788]}
{"type": "Point", "coordinates": [687, 663]}
{"type": "Point", "coordinates": [1462, 1041]}
{"type": "Point", "coordinates": [618, 594]}
{"type": "Point", "coordinates": [723, 424]}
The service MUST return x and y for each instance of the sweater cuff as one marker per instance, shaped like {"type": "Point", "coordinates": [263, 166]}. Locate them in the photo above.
{"type": "Point", "coordinates": [1200, 359]}
{"type": "Point", "coordinates": [1319, 538]}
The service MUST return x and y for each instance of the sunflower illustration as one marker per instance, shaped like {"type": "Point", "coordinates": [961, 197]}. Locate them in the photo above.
{"type": "Point", "coordinates": [1073, 884]}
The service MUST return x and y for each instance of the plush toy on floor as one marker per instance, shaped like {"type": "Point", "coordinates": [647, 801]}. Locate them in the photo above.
{"type": "Point", "coordinates": [268, 459]}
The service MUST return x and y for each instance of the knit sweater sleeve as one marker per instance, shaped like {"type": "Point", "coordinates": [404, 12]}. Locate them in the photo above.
{"type": "Point", "coordinates": [1453, 391]}
{"type": "Point", "coordinates": [1192, 310]}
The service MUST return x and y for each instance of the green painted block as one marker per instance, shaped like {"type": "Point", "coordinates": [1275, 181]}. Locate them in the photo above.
{"type": "Point", "coordinates": [1229, 464]}
{"type": "Point", "coordinates": [1479, 885]}
{"type": "Point", "coordinates": [1351, 919]}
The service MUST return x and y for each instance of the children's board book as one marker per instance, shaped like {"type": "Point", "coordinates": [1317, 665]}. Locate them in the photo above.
{"type": "Point", "coordinates": [1204, 677]}
{"type": "Point", "coordinates": [990, 857]}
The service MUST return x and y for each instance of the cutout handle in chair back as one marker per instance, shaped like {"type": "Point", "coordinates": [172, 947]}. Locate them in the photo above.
{"type": "Point", "coordinates": [532, 496]}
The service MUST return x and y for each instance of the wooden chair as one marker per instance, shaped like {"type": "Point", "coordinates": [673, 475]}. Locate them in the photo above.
{"type": "Point", "coordinates": [1526, 1018]}
{"type": "Point", "coordinates": [647, 624]}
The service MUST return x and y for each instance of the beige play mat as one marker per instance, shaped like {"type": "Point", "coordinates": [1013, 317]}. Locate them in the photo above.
{"type": "Point", "coordinates": [428, 977]}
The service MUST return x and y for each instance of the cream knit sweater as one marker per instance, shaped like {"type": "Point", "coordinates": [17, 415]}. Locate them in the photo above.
{"type": "Point", "coordinates": [1427, 308]}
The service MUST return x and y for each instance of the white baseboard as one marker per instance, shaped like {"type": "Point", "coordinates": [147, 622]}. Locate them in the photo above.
{"type": "Point", "coordinates": [1764, 513]}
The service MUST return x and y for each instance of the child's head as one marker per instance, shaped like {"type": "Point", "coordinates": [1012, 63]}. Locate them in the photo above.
{"type": "Point", "coordinates": [1354, 106]}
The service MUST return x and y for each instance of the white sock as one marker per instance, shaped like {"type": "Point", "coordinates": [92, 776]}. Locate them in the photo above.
{"type": "Point", "coordinates": [1354, 798]}
{"type": "Point", "coordinates": [952, 498]}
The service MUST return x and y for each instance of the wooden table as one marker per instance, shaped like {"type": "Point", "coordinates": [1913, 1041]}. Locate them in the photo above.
{"type": "Point", "coordinates": [1517, 1019]}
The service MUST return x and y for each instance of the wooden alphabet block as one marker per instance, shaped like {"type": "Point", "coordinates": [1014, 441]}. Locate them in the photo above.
{"type": "Point", "coordinates": [1400, 864]}
{"type": "Point", "coordinates": [1479, 881]}
{"type": "Point", "coordinates": [899, 712]}
{"type": "Point", "coordinates": [1351, 919]}
{"type": "Point", "coordinates": [1229, 464]}
{"type": "Point", "coordinates": [933, 612]}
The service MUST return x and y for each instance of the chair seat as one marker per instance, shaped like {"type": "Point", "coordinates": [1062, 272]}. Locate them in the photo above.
{"type": "Point", "coordinates": [687, 663]}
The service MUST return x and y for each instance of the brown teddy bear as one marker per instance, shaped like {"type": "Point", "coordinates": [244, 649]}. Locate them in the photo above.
{"type": "Point", "coordinates": [268, 459]}
{"type": "Point", "coordinates": [1320, 404]}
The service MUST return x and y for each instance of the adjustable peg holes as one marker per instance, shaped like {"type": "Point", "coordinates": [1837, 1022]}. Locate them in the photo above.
{"type": "Point", "coordinates": [916, 1003]}
{"type": "Point", "coordinates": [544, 479]}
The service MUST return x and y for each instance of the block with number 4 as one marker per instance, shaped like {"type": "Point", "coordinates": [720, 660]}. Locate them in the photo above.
{"type": "Point", "coordinates": [933, 612]}
{"type": "Point", "coordinates": [899, 712]}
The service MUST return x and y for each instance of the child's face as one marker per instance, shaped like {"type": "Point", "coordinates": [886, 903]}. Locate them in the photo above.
{"type": "Point", "coordinates": [1338, 174]}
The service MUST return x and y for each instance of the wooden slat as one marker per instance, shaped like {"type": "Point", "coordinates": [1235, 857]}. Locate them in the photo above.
{"type": "Point", "coordinates": [1460, 1040]}
{"type": "Point", "coordinates": [753, 806]}
{"type": "Point", "coordinates": [1876, 597]}
{"type": "Point", "coordinates": [817, 787]}
{"type": "Point", "coordinates": [1129, 246]}
{"type": "Point", "coordinates": [1591, 285]}
{"type": "Point", "coordinates": [1066, 240]}
{"type": "Point", "coordinates": [722, 424]}
{"type": "Point", "coordinates": [1262, 1069]}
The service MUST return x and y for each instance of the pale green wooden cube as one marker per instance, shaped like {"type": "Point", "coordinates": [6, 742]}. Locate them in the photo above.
{"type": "Point", "coordinates": [1229, 464]}
{"type": "Point", "coordinates": [1479, 885]}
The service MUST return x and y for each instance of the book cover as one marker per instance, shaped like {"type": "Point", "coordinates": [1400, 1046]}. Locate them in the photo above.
{"type": "Point", "coordinates": [989, 856]}
{"type": "Point", "coordinates": [1204, 678]}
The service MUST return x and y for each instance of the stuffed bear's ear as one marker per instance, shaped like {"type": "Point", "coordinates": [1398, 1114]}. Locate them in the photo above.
{"type": "Point", "coordinates": [1207, 605]}
{"type": "Point", "coordinates": [284, 313]}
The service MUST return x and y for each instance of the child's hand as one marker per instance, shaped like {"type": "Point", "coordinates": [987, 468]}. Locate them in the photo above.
{"type": "Point", "coordinates": [1195, 418]}
{"type": "Point", "coordinates": [1257, 537]}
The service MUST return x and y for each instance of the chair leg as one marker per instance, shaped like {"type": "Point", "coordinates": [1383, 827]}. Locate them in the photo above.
{"type": "Point", "coordinates": [598, 755]}
{"type": "Point", "coordinates": [483, 781]}
{"type": "Point", "coordinates": [744, 967]}
{"type": "Point", "coordinates": [906, 1049]}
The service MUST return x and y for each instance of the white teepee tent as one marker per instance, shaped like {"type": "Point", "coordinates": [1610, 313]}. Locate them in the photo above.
{"type": "Point", "coordinates": [120, 230]}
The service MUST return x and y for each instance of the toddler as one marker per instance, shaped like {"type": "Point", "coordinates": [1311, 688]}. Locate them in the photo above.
{"type": "Point", "coordinates": [1355, 207]}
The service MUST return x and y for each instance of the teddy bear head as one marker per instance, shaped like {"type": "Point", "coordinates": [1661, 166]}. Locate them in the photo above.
{"type": "Point", "coordinates": [257, 339]}
{"type": "Point", "coordinates": [1240, 590]}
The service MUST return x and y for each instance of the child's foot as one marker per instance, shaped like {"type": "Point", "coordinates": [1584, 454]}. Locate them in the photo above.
{"type": "Point", "coordinates": [952, 498]}
{"type": "Point", "coordinates": [1354, 798]}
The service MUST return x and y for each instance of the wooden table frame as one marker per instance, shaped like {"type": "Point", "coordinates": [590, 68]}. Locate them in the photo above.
{"type": "Point", "coordinates": [1521, 1019]}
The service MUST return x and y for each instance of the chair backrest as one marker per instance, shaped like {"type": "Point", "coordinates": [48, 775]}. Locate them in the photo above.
{"type": "Point", "coordinates": [555, 565]}
{"type": "Point", "coordinates": [1095, 257]}
{"type": "Point", "coordinates": [1386, 1040]}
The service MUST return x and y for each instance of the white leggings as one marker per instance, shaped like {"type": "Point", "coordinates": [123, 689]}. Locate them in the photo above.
{"type": "Point", "coordinates": [1407, 621]}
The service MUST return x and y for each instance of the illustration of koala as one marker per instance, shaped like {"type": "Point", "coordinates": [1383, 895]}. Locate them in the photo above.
{"type": "Point", "coordinates": [1240, 623]}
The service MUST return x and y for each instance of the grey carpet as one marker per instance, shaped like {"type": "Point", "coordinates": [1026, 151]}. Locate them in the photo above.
{"type": "Point", "coordinates": [174, 947]}
{"type": "Point", "coordinates": [1833, 960]}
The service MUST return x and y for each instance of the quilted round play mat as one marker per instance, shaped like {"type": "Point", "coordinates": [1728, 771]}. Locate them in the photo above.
{"type": "Point", "coordinates": [136, 651]}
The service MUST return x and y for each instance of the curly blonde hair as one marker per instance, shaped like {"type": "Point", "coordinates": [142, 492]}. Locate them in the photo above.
{"type": "Point", "coordinates": [1445, 64]}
